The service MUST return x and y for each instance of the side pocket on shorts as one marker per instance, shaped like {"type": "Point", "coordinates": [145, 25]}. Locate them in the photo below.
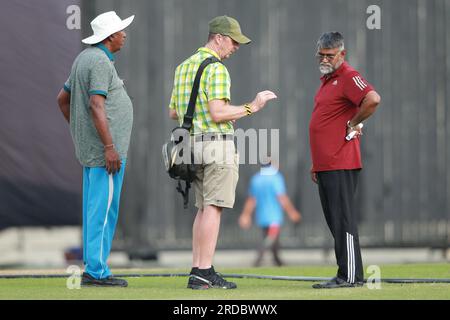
{"type": "Point", "coordinates": [236, 169]}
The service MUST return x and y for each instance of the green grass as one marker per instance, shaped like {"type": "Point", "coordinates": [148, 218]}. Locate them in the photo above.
{"type": "Point", "coordinates": [174, 288]}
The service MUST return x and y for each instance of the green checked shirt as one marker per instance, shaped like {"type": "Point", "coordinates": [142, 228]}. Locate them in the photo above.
{"type": "Point", "coordinates": [215, 83]}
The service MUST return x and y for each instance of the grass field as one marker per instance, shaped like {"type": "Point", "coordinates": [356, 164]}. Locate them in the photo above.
{"type": "Point", "coordinates": [174, 288]}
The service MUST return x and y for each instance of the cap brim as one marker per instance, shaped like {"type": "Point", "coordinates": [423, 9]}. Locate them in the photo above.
{"type": "Point", "coordinates": [94, 39]}
{"type": "Point", "coordinates": [97, 38]}
{"type": "Point", "coordinates": [126, 22]}
{"type": "Point", "coordinates": [240, 38]}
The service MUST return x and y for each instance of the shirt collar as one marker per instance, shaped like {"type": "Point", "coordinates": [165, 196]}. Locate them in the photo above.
{"type": "Point", "coordinates": [102, 47]}
{"type": "Point", "coordinates": [336, 73]}
{"type": "Point", "coordinates": [207, 50]}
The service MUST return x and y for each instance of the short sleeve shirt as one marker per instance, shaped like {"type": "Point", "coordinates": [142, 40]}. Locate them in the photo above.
{"type": "Point", "coordinates": [265, 187]}
{"type": "Point", "coordinates": [336, 102]}
{"type": "Point", "coordinates": [92, 73]}
{"type": "Point", "coordinates": [215, 84]}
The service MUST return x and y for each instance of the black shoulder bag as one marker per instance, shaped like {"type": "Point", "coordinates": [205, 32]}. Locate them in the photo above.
{"type": "Point", "coordinates": [177, 153]}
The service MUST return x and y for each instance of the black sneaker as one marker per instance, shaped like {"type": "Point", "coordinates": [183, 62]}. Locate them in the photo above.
{"type": "Point", "coordinates": [194, 271]}
{"type": "Point", "coordinates": [88, 281]}
{"type": "Point", "coordinates": [209, 279]}
{"type": "Point", "coordinates": [336, 283]}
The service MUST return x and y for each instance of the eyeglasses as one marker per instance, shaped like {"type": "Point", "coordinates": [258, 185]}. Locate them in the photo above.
{"type": "Point", "coordinates": [330, 57]}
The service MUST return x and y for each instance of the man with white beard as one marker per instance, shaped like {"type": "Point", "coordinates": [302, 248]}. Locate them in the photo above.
{"type": "Point", "coordinates": [344, 100]}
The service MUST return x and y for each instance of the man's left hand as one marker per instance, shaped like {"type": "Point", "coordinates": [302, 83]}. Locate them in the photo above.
{"type": "Point", "coordinates": [356, 128]}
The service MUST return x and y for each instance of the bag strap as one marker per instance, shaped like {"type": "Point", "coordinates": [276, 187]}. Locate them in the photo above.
{"type": "Point", "coordinates": [189, 116]}
{"type": "Point", "coordinates": [185, 193]}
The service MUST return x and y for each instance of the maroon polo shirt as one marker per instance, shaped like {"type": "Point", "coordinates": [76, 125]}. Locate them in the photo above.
{"type": "Point", "coordinates": [335, 103]}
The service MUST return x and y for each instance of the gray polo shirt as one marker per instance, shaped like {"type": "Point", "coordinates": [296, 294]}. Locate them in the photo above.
{"type": "Point", "coordinates": [93, 72]}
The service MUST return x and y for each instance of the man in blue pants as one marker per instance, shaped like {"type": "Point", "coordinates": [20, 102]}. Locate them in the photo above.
{"type": "Point", "coordinates": [95, 103]}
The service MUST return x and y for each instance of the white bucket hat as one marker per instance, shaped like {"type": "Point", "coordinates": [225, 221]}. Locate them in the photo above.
{"type": "Point", "coordinates": [105, 25]}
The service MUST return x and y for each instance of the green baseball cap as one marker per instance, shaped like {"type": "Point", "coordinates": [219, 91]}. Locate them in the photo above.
{"type": "Point", "coordinates": [228, 27]}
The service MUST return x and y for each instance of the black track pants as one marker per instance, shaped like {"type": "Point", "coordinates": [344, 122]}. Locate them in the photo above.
{"type": "Point", "coordinates": [337, 194]}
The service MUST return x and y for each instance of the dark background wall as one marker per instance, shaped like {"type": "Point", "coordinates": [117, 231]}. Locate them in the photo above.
{"type": "Point", "coordinates": [40, 180]}
{"type": "Point", "coordinates": [406, 146]}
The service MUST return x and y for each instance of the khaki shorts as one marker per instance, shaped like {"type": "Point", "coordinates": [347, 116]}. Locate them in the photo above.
{"type": "Point", "coordinates": [218, 174]}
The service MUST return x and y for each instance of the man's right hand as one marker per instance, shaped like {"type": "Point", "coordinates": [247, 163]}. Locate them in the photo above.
{"type": "Point", "coordinates": [261, 99]}
{"type": "Point", "coordinates": [245, 221]}
{"type": "Point", "coordinates": [113, 161]}
{"type": "Point", "coordinates": [313, 175]}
